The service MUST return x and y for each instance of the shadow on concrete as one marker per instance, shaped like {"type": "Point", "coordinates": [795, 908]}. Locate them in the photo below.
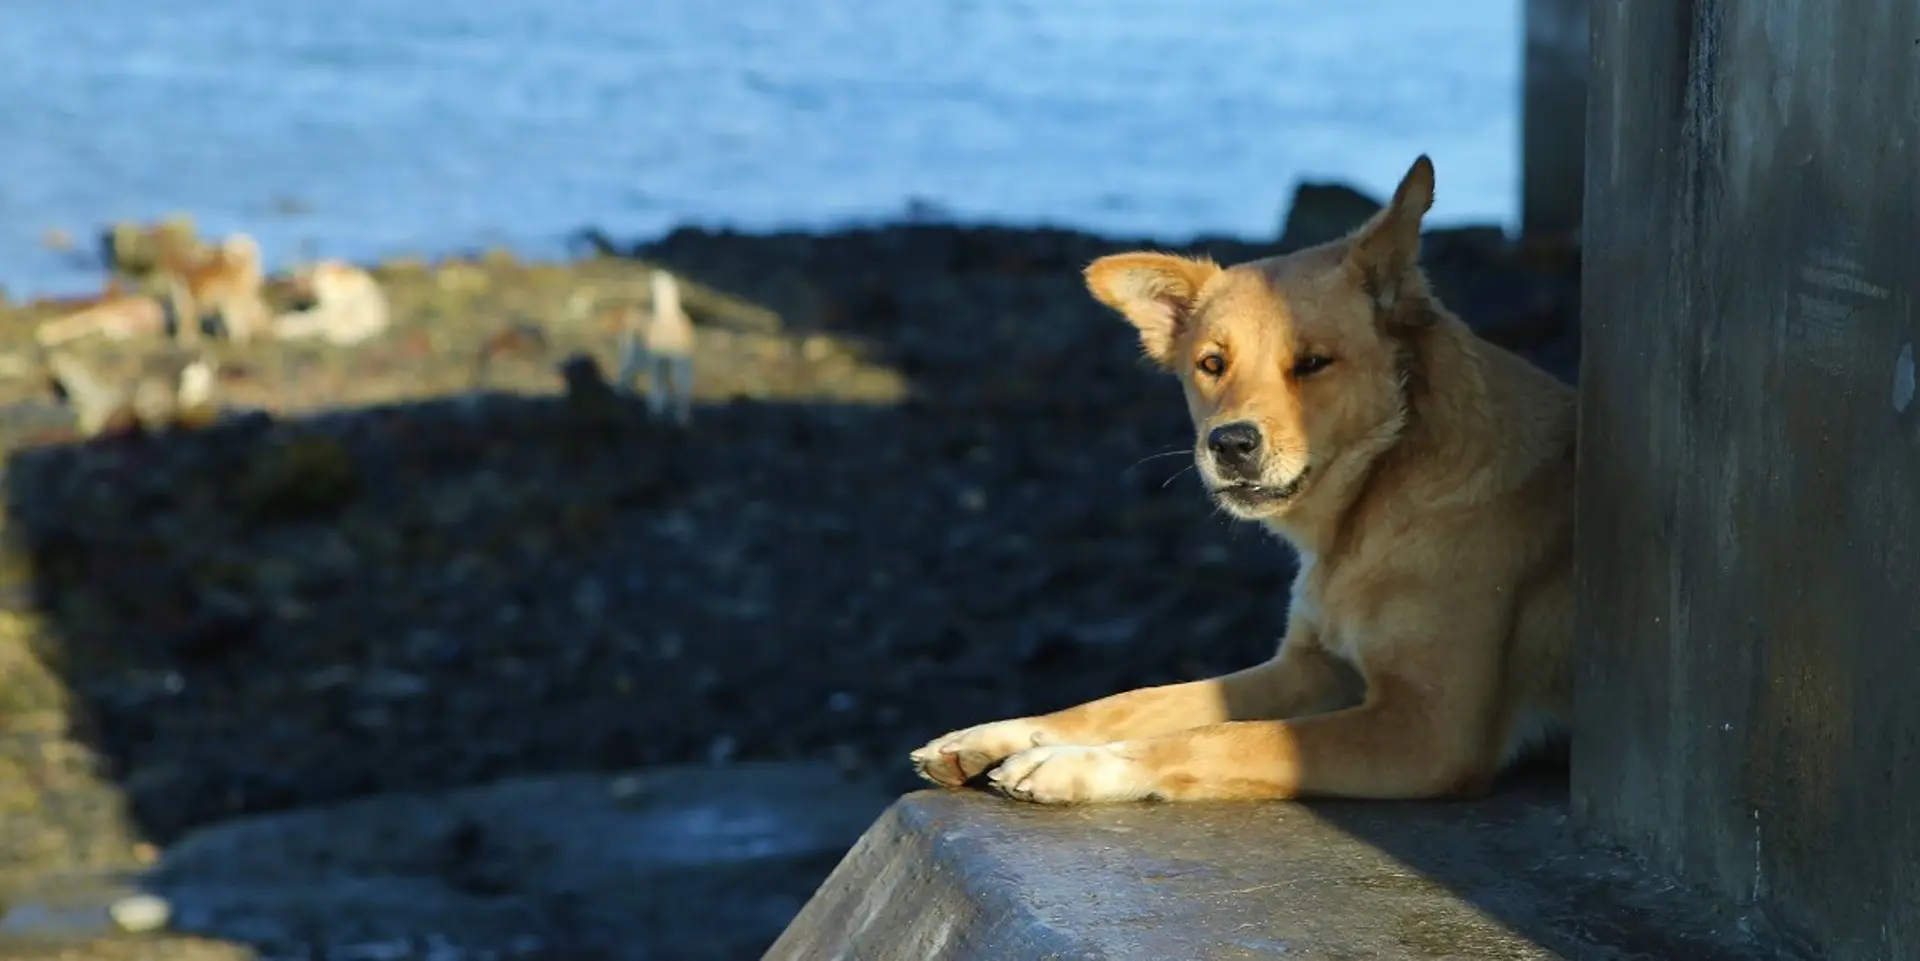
{"type": "Point", "coordinates": [1516, 858]}
{"type": "Point", "coordinates": [268, 616]}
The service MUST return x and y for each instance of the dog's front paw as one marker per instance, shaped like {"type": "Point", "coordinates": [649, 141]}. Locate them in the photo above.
{"type": "Point", "coordinates": [951, 760]}
{"type": "Point", "coordinates": [1068, 774]}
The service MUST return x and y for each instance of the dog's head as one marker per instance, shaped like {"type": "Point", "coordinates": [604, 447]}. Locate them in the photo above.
{"type": "Point", "coordinates": [1293, 364]}
{"type": "Point", "coordinates": [242, 252]}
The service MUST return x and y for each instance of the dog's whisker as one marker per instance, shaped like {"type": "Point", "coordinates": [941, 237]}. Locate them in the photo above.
{"type": "Point", "coordinates": [1165, 453]}
{"type": "Point", "coordinates": [1175, 476]}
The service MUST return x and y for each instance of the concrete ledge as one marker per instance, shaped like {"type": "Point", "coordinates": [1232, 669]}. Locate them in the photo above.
{"type": "Point", "coordinates": [961, 875]}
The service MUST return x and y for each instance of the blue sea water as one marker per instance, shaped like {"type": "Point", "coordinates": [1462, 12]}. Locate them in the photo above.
{"type": "Point", "coordinates": [361, 128]}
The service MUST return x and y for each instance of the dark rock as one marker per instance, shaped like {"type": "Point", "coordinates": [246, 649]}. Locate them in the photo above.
{"type": "Point", "coordinates": [1321, 212]}
{"type": "Point", "coordinates": [222, 626]}
{"type": "Point", "coordinates": [594, 241]}
{"type": "Point", "coordinates": [298, 477]}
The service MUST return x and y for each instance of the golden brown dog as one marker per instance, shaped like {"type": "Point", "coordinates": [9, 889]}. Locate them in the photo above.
{"type": "Point", "coordinates": [227, 281]}
{"type": "Point", "coordinates": [1424, 477]}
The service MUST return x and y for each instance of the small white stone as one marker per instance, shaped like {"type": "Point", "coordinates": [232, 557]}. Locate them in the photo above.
{"type": "Point", "coordinates": [140, 913]}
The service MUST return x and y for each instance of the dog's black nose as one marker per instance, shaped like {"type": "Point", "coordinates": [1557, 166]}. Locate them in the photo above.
{"type": "Point", "coordinates": [1236, 448]}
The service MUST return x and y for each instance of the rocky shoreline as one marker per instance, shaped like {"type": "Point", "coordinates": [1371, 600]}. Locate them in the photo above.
{"type": "Point", "coordinates": [930, 482]}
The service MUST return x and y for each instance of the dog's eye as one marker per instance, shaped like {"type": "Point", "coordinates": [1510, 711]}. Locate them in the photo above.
{"type": "Point", "coordinates": [1310, 365]}
{"type": "Point", "coordinates": [1212, 365]}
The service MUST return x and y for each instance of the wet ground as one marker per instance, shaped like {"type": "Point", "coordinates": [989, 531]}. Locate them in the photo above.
{"type": "Point", "coordinates": [931, 482]}
{"type": "Point", "coordinates": [706, 861]}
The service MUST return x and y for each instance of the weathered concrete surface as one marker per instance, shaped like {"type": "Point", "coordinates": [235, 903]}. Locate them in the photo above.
{"type": "Point", "coordinates": [947, 876]}
{"type": "Point", "coordinates": [1553, 112]}
{"type": "Point", "coordinates": [682, 863]}
{"type": "Point", "coordinates": [1749, 499]}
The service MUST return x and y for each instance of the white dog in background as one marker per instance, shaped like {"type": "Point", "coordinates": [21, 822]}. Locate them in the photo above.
{"type": "Point", "coordinates": [348, 306]}
{"type": "Point", "coordinates": [663, 347]}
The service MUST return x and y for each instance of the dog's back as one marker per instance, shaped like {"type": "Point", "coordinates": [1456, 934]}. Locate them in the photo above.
{"type": "Point", "coordinates": [1519, 426]}
{"type": "Point", "coordinates": [120, 317]}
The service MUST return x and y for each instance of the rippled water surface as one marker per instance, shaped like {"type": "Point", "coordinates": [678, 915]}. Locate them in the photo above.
{"type": "Point", "coordinates": [365, 127]}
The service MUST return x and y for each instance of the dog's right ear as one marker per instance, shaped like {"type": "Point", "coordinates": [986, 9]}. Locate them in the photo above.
{"type": "Point", "coordinates": [1155, 292]}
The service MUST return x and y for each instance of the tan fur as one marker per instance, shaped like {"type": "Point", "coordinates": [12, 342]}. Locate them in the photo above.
{"type": "Point", "coordinates": [1425, 478]}
{"type": "Point", "coordinates": [348, 305]}
{"type": "Point", "coordinates": [227, 281]}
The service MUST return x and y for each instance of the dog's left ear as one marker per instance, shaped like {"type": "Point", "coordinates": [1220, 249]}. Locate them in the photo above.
{"type": "Point", "coordinates": [1385, 251]}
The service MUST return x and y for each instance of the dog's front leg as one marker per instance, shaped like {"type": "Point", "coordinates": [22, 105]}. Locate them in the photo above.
{"type": "Point", "coordinates": [1302, 678]}
{"type": "Point", "coordinates": [1407, 740]}
{"type": "Point", "coordinates": [1432, 669]}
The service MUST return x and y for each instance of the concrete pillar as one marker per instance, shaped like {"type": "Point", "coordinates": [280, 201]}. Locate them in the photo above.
{"type": "Point", "coordinates": [1749, 490]}
{"type": "Point", "coordinates": [1553, 115]}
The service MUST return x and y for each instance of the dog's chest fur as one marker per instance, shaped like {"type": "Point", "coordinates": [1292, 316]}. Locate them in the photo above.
{"type": "Point", "coordinates": [1305, 605]}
